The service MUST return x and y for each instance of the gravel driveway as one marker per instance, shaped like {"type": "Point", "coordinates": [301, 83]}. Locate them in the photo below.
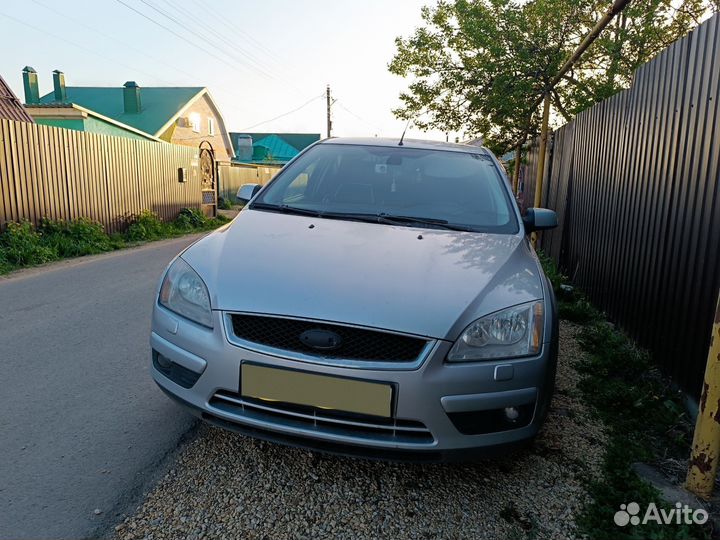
{"type": "Point", "coordinates": [227, 486]}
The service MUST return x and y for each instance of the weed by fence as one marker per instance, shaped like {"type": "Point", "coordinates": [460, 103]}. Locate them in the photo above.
{"type": "Point", "coordinates": [644, 418]}
{"type": "Point", "coordinates": [22, 244]}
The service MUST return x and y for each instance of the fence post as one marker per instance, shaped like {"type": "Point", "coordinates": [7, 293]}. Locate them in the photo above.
{"type": "Point", "coordinates": [516, 170]}
{"type": "Point", "coordinates": [541, 159]}
{"type": "Point", "coordinates": [706, 442]}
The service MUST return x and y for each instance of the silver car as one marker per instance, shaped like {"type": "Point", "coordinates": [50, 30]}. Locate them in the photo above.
{"type": "Point", "coordinates": [376, 298]}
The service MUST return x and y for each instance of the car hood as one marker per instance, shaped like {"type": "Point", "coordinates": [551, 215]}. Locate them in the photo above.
{"type": "Point", "coordinates": [427, 282]}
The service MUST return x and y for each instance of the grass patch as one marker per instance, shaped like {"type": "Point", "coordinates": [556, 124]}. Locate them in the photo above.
{"type": "Point", "coordinates": [74, 238]}
{"type": "Point", "coordinates": [224, 204]}
{"type": "Point", "coordinates": [645, 418]}
{"type": "Point", "coordinates": [22, 245]}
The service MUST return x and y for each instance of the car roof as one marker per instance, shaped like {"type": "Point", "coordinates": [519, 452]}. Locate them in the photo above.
{"type": "Point", "coordinates": [408, 143]}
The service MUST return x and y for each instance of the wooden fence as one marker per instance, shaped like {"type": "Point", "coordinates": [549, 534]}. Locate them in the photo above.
{"type": "Point", "coordinates": [63, 174]}
{"type": "Point", "coordinates": [635, 182]}
{"type": "Point", "coordinates": [233, 175]}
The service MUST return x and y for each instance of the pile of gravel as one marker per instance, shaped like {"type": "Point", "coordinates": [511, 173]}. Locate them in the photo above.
{"type": "Point", "coordinates": [228, 486]}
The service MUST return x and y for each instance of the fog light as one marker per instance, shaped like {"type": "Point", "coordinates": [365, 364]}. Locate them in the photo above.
{"type": "Point", "coordinates": [164, 362]}
{"type": "Point", "coordinates": [511, 413]}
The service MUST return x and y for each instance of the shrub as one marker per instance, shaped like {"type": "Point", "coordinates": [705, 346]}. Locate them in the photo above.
{"type": "Point", "coordinates": [224, 204]}
{"type": "Point", "coordinates": [75, 238]}
{"type": "Point", "coordinates": [572, 304]}
{"type": "Point", "coordinates": [189, 219]}
{"type": "Point", "coordinates": [5, 266]}
{"type": "Point", "coordinates": [192, 219]}
{"type": "Point", "coordinates": [22, 245]}
{"type": "Point", "coordinates": [553, 273]}
{"type": "Point", "coordinates": [146, 226]}
{"type": "Point", "coordinates": [577, 309]}
{"type": "Point", "coordinates": [117, 241]}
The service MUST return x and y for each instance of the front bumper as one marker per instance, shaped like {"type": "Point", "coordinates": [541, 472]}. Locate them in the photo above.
{"type": "Point", "coordinates": [434, 409]}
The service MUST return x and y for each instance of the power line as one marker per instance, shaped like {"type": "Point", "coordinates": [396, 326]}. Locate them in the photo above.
{"type": "Point", "coordinates": [183, 38]}
{"type": "Point", "coordinates": [204, 38]}
{"type": "Point", "coordinates": [183, 11]}
{"type": "Point", "coordinates": [116, 40]}
{"type": "Point", "coordinates": [86, 49]}
{"type": "Point", "coordinates": [237, 30]}
{"type": "Point", "coordinates": [374, 126]}
{"type": "Point", "coordinates": [126, 44]}
{"type": "Point", "coordinates": [285, 114]}
{"type": "Point", "coordinates": [219, 35]}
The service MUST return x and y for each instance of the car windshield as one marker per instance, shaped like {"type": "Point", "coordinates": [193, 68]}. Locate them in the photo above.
{"type": "Point", "coordinates": [396, 185]}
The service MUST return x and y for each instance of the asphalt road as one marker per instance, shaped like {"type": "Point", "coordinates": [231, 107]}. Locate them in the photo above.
{"type": "Point", "coordinates": [82, 424]}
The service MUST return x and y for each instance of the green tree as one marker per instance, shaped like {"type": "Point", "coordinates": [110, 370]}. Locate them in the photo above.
{"type": "Point", "coordinates": [478, 66]}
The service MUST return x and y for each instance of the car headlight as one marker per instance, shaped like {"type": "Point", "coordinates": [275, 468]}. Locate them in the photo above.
{"type": "Point", "coordinates": [512, 332]}
{"type": "Point", "coordinates": [185, 293]}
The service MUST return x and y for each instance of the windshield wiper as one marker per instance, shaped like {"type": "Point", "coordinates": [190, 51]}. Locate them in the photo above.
{"type": "Point", "coordinates": [433, 222]}
{"type": "Point", "coordinates": [382, 217]}
{"type": "Point", "coordinates": [391, 219]}
{"type": "Point", "coordinates": [285, 209]}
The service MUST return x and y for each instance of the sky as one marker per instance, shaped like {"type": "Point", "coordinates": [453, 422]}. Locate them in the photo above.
{"type": "Point", "coordinates": [260, 59]}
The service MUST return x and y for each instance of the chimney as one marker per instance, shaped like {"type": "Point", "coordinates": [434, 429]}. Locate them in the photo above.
{"type": "Point", "coordinates": [131, 97]}
{"type": "Point", "coordinates": [59, 86]}
{"type": "Point", "coordinates": [244, 147]}
{"type": "Point", "coordinates": [30, 82]}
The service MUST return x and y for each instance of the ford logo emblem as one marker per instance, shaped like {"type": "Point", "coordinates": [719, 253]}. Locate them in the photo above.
{"type": "Point", "coordinates": [322, 340]}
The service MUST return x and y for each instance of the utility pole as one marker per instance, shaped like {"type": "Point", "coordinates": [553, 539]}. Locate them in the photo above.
{"type": "Point", "coordinates": [540, 173]}
{"type": "Point", "coordinates": [329, 103]}
{"type": "Point", "coordinates": [516, 170]}
{"type": "Point", "coordinates": [706, 442]}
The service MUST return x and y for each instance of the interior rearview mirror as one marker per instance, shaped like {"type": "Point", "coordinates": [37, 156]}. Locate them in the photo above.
{"type": "Point", "coordinates": [247, 192]}
{"type": "Point", "coordinates": [539, 219]}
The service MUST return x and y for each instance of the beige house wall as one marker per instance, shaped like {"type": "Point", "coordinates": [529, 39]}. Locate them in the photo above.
{"type": "Point", "coordinates": [182, 132]}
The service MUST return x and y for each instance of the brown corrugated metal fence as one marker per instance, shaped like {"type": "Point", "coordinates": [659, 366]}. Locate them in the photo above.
{"type": "Point", "coordinates": [233, 175]}
{"type": "Point", "coordinates": [63, 174]}
{"type": "Point", "coordinates": [636, 185]}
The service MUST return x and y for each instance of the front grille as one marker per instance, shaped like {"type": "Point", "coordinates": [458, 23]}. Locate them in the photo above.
{"type": "Point", "coordinates": [356, 343]}
{"type": "Point", "coordinates": [389, 430]}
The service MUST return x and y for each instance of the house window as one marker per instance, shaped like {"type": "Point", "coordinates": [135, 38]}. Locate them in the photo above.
{"type": "Point", "coordinates": [195, 122]}
{"type": "Point", "coordinates": [211, 126]}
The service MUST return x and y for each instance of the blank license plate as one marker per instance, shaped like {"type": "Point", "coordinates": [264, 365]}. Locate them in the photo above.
{"type": "Point", "coordinates": [322, 391]}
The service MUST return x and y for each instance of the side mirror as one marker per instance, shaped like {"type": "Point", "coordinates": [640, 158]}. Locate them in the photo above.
{"type": "Point", "coordinates": [539, 219]}
{"type": "Point", "coordinates": [247, 192]}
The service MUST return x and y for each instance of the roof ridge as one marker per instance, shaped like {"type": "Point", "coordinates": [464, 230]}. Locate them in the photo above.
{"type": "Point", "coordinates": [160, 104]}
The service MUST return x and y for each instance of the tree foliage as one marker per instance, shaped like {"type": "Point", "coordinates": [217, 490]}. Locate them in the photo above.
{"type": "Point", "coordinates": [478, 66]}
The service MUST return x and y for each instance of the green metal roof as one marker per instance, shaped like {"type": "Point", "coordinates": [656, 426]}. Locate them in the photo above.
{"type": "Point", "coordinates": [159, 104]}
{"type": "Point", "coordinates": [276, 147]}
{"type": "Point", "coordinates": [273, 147]}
